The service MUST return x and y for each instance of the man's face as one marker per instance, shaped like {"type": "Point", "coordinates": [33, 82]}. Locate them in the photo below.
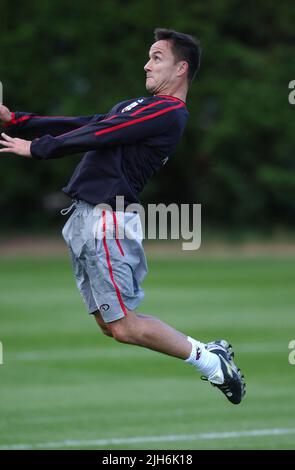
{"type": "Point", "coordinates": [161, 69]}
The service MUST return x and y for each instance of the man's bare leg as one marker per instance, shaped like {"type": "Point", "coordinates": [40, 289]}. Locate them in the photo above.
{"type": "Point", "coordinates": [148, 332]}
{"type": "Point", "coordinates": [151, 333]}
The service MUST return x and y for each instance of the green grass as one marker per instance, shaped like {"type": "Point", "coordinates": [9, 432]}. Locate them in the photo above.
{"type": "Point", "coordinates": [63, 380]}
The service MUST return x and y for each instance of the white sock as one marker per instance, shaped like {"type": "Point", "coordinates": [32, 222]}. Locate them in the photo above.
{"type": "Point", "coordinates": [205, 361]}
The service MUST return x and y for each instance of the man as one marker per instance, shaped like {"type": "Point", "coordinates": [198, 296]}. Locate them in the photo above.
{"type": "Point", "coordinates": [124, 148]}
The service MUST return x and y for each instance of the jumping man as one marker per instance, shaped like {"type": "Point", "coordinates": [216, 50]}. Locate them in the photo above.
{"type": "Point", "coordinates": [124, 148]}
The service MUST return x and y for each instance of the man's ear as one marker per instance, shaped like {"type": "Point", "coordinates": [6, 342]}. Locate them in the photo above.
{"type": "Point", "coordinates": [182, 68]}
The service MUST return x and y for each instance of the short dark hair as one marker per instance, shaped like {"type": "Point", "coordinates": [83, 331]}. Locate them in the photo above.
{"type": "Point", "coordinates": [184, 47]}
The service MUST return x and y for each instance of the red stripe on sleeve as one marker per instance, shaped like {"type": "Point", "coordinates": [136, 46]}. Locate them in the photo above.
{"type": "Point", "coordinates": [21, 119]}
{"type": "Point", "coordinates": [15, 120]}
{"type": "Point", "coordinates": [173, 98]}
{"type": "Point", "coordinates": [148, 106]}
{"type": "Point", "coordinates": [143, 118]}
{"type": "Point", "coordinates": [12, 121]}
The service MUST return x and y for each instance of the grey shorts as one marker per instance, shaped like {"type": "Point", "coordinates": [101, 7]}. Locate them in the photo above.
{"type": "Point", "coordinates": [108, 258]}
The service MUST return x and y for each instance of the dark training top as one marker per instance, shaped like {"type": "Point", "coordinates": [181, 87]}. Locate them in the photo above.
{"type": "Point", "coordinates": [124, 148]}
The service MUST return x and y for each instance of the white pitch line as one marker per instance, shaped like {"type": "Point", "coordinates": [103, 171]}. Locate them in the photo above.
{"type": "Point", "coordinates": [144, 439]}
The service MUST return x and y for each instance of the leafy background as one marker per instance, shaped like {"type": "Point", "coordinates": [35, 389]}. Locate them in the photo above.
{"type": "Point", "coordinates": [237, 154]}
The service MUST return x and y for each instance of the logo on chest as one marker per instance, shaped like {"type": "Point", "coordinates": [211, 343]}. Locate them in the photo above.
{"type": "Point", "coordinates": [131, 106]}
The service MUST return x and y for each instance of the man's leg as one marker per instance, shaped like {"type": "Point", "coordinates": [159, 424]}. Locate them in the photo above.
{"type": "Point", "coordinates": [146, 331]}
{"type": "Point", "coordinates": [149, 332]}
{"type": "Point", "coordinates": [103, 326]}
{"type": "Point", "coordinates": [214, 360]}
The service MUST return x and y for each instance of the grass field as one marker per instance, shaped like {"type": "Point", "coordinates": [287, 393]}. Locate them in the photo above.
{"type": "Point", "coordinates": [64, 385]}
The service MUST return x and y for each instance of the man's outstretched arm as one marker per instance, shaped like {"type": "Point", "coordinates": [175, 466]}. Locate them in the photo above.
{"type": "Point", "coordinates": [31, 126]}
{"type": "Point", "coordinates": [144, 124]}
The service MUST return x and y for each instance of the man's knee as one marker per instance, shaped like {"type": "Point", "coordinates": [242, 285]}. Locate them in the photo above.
{"type": "Point", "coordinates": [106, 331]}
{"type": "Point", "coordinates": [103, 326]}
{"type": "Point", "coordinates": [118, 331]}
{"type": "Point", "coordinates": [126, 329]}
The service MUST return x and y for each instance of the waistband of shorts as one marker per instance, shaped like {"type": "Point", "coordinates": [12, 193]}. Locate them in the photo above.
{"type": "Point", "coordinates": [80, 203]}
{"type": "Point", "coordinates": [77, 204]}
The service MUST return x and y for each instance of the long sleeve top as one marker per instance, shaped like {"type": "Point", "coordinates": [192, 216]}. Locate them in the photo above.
{"type": "Point", "coordinates": [124, 147]}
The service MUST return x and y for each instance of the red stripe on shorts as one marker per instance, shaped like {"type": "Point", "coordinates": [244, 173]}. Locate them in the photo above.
{"type": "Point", "coordinates": [110, 265]}
{"type": "Point", "coordinates": [117, 241]}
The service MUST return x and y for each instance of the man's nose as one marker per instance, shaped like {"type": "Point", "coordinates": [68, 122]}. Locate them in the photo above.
{"type": "Point", "coordinates": [147, 66]}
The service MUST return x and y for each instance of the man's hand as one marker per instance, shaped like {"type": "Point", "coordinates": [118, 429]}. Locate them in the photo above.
{"type": "Point", "coordinates": [5, 114]}
{"type": "Point", "coordinates": [14, 145]}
